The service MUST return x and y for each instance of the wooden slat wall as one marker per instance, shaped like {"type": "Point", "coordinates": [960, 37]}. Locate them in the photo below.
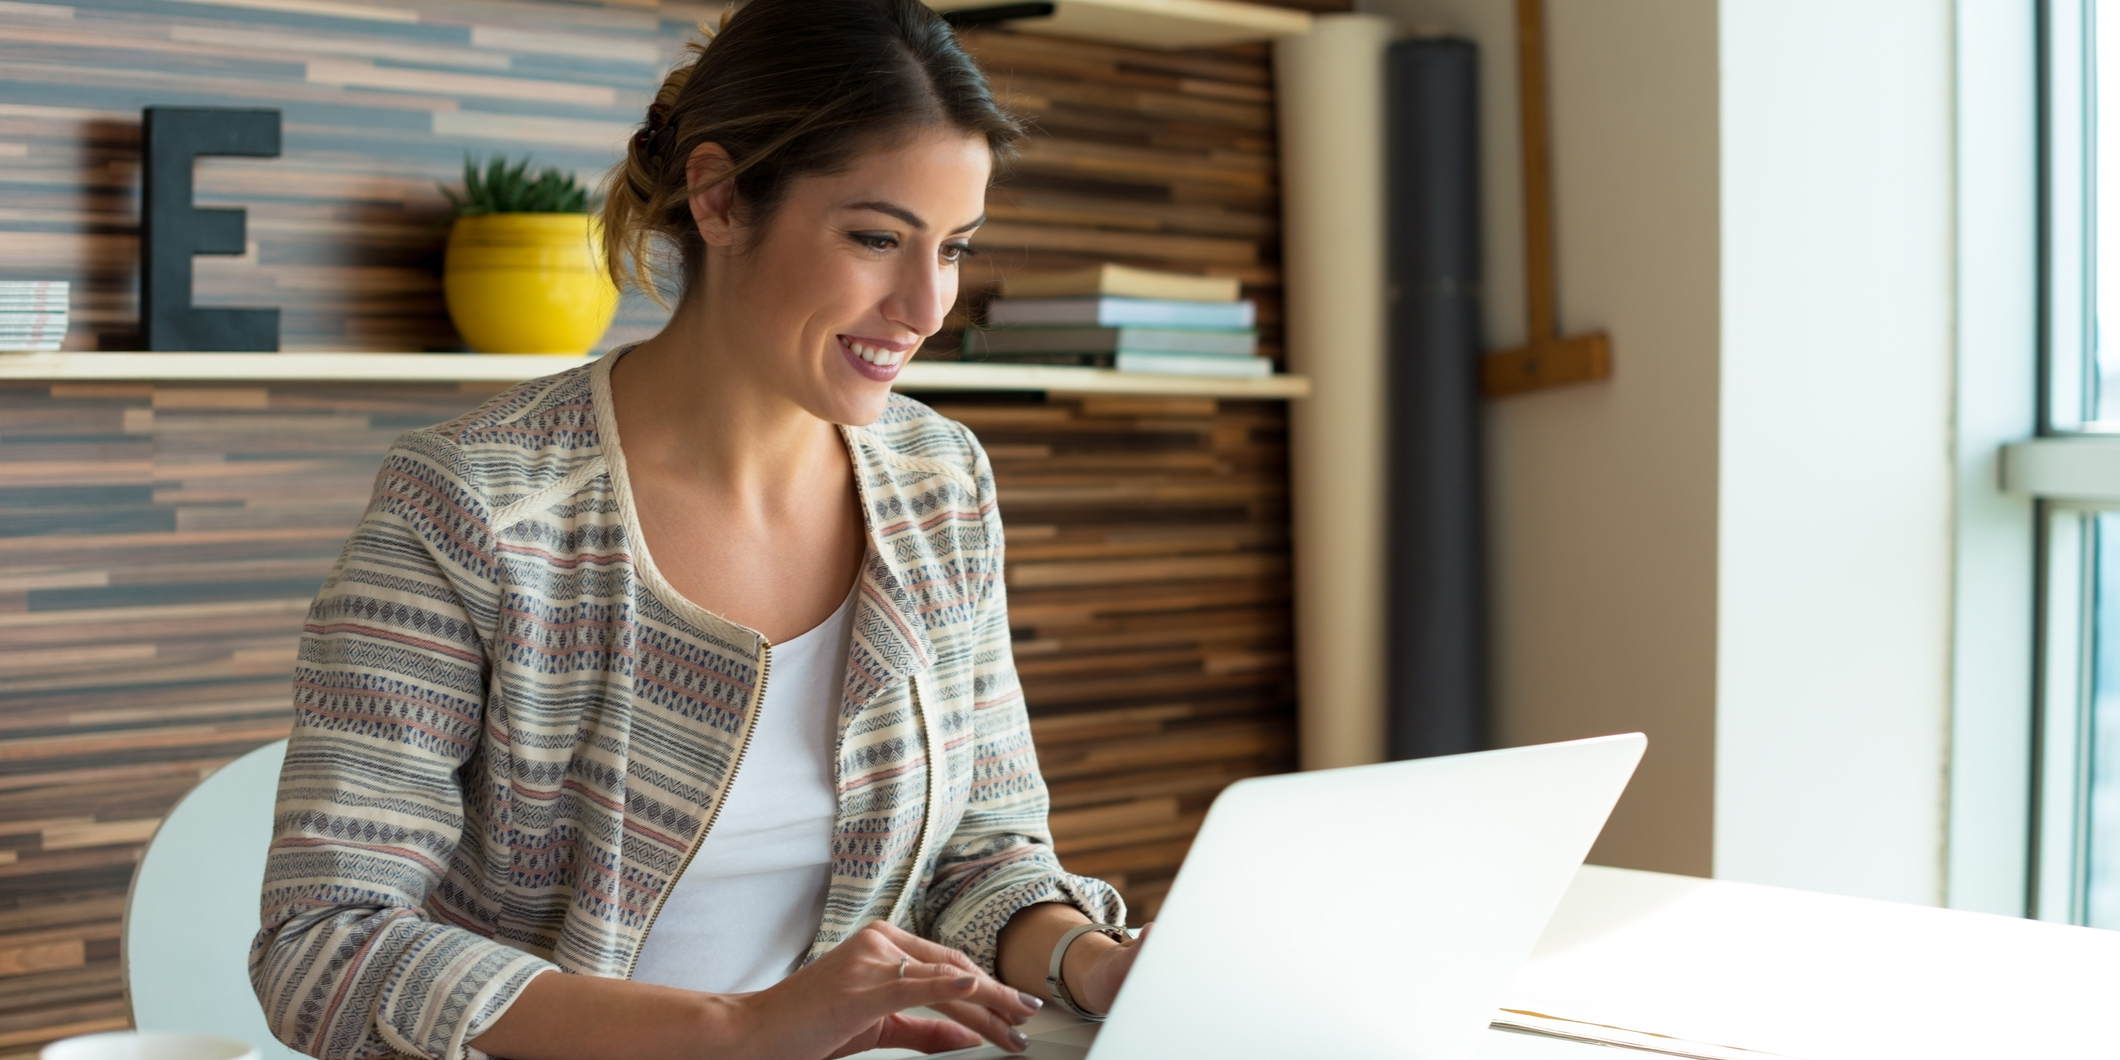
{"type": "Point", "coordinates": [1159, 159]}
{"type": "Point", "coordinates": [158, 547]}
{"type": "Point", "coordinates": [378, 102]}
{"type": "Point", "coordinates": [1154, 158]}
{"type": "Point", "coordinates": [159, 544]}
{"type": "Point", "coordinates": [1149, 595]}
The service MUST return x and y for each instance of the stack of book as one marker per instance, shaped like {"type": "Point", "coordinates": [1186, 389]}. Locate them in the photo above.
{"type": "Point", "coordinates": [32, 314]}
{"type": "Point", "coordinates": [1134, 320]}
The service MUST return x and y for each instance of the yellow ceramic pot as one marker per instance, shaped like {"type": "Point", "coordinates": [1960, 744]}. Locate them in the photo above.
{"type": "Point", "coordinates": [528, 283]}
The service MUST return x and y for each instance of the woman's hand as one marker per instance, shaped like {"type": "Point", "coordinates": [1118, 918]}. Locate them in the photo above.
{"type": "Point", "coordinates": [849, 1001]}
{"type": "Point", "coordinates": [1096, 986]}
{"type": "Point", "coordinates": [1094, 967]}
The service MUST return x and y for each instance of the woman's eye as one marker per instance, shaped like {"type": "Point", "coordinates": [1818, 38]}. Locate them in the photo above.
{"type": "Point", "coordinates": [876, 240]}
{"type": "Point", "coordinates": [954, 252]}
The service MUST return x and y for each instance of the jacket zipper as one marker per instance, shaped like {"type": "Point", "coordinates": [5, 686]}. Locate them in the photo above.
{"type": "Point", "coordinates": [721, 795]}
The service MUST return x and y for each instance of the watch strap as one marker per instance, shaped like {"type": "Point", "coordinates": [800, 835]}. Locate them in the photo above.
{"type": "Point", "coordinates": [1056, 985]}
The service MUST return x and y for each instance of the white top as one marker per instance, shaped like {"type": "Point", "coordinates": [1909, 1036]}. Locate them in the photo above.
{"type": "Point", "coordinates": [747, 908]}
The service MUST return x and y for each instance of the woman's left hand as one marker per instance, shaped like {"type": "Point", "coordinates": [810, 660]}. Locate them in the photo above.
{"type": "Point", "coordinates": [1104, 973]}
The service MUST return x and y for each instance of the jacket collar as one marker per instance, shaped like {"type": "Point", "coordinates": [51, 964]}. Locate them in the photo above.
{"type": "Point", "coordinates": [890, 640]}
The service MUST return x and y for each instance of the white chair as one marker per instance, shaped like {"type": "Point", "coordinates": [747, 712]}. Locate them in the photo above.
{"type": "Point", "coordinates": [194, 908]}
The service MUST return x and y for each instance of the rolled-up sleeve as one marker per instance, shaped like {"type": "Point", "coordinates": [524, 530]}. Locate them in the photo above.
{"type": "Point", "coordinates": [1000, 857]}
{"type": "Point", "coordinates": [389, 692]}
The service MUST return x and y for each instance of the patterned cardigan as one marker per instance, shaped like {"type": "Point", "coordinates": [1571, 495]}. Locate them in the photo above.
{"type": "Point", "coordinates": [511, 734]}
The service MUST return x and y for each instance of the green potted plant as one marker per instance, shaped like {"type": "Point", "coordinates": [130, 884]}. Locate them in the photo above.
{"type": "Point", "coordinates": [523, 272]}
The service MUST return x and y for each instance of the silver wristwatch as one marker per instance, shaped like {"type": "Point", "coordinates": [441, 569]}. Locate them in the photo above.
{"type": "Point", "coordinates": [1055, 985]}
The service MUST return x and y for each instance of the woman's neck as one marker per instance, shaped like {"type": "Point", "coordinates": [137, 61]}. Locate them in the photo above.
{"type": "Point", "coordinates": [697, 400]}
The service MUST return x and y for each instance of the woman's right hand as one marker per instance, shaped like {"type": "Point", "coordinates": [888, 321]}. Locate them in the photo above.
{"type": "Point", "coordinates": [850, 1000]}
{"type": "Point", "coordinates": [845, 1002]}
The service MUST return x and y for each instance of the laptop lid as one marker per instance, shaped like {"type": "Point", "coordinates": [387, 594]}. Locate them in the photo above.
{"type": "Point", "coordinates": [1374, 911]}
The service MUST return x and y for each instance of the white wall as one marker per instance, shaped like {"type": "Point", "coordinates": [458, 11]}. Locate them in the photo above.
{"type": "Point", "coordinates": [1602, 497]}
{"type": "Point", "coordinates": [1832, 701]}
{"type": "Point", "coordinates": [1742, 543]}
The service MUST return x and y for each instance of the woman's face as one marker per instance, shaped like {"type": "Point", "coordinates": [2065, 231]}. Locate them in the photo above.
{"type": "Point", "coordinates": [856, 268]}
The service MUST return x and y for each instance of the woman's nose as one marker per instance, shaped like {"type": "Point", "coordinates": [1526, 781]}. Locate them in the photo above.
{"type": "Point", "coordinates": [923, 298]}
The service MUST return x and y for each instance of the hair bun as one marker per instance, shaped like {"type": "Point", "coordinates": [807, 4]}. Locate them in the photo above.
{"type": "Point", "coordinates": [656, 132]}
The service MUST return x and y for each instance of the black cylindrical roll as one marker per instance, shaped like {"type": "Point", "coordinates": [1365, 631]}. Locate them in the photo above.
{"type": "Point", "coordinates": [1437, 613]}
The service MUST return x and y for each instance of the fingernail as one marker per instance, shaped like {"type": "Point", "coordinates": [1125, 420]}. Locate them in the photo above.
{"type": "Point", "coordinates": [1030, 1000]}
{"type": "Point", "coordinates": [1016, 1038]}
{"type": "Point", "coordinates": [962, 982]}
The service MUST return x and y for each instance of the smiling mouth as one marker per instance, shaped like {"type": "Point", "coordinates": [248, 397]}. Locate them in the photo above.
{"type": "Point", "coordinates": [876, 355]}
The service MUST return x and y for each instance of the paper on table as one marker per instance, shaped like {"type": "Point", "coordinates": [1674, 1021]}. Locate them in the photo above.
{"type": "Point", "coordinates": [1555, 1027]}
{"type": "Point", "coordinates": [1818, 976]}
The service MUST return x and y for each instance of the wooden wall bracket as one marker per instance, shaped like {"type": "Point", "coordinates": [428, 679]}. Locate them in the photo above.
{"type": "Point", "coordinates": [1549, 359]}
{"type": "Point", "coordinates": [1554, 362]}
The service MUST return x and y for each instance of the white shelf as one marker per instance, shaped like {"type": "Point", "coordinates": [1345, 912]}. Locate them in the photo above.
{"type": "Point", "coordinates": [1155, 23]}
{"type": "Point", "coordinates": [514, 368]}
{"type": "Point", "coordinates": [282, 367]}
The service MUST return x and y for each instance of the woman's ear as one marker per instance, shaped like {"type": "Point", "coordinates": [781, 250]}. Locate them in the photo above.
{"type": "Point", "coordinates": [713, 199]}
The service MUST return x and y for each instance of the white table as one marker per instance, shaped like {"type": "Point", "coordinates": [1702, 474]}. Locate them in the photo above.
{"type": "Point", "coordinates": [1799, 974]}
{"type": "Point", "coordinates": [1499, 1044]}
{"type": "Point", "coordinates": [1819, 976]}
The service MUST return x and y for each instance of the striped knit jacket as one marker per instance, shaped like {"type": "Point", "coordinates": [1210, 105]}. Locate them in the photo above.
{"type": "Point", "coordinates": [511, 733]}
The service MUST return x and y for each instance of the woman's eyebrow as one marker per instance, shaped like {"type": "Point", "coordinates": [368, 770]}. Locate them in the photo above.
{"type": "Point", "coordinates": [911, 218]}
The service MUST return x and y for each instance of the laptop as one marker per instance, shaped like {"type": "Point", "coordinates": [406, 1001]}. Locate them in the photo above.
{"type": "Point", "coordinates": [1373, 911]}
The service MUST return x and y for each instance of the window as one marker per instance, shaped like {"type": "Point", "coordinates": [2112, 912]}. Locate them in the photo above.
{"type": "Point", "coordinates": [2073, 470]}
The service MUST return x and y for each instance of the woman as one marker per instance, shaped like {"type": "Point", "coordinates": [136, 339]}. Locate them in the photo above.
{"type": "Point", "coordinates": [732, 698]}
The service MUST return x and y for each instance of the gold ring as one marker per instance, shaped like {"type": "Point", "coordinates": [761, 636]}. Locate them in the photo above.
{"type": "Point", "coordinates": [902, 962]}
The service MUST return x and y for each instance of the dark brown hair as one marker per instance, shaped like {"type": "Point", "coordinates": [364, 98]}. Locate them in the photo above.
{"type": "Point", "coordinates": [789, 88]}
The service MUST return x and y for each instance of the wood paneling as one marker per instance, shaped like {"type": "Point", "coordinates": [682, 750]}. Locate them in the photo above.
{"type": "Point", "coordinates": [379, 102]}
{"type": "Point", "coordinates": [159, 544]}
{"type": "Point", "coordinates": [158, 547]}
{"type": "Point", "coordinates": [1159, 159]}
{"type": "Point", "coordinates": [1149, 594]}
{"type": "Point", "coordinates": [1163, 159]}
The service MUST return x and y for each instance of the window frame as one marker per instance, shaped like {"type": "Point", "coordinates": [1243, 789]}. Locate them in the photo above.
{"type": "Point", "coordinates": [2069, 470]}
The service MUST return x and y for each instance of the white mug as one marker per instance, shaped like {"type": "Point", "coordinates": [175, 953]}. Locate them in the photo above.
{"type": "Point", "coordinates": [148, 1045]}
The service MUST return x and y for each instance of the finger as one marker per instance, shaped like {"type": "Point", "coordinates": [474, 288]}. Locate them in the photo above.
{"type": "Point", "coordinates": [985, 1022]}
{"type": "Point", "coordinates": [924, 949]}
{"type": "Point", "coordinates": [901, 994]}
{"type": "Point", "coordinates": [923, 1034]}
{"type": "Point", "coordinates": [1013, 1005]}
{"type": "Point", "coordinates": [924, 970]}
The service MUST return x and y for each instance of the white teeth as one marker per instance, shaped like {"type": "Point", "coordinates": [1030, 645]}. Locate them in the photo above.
{"type": "Point", "coordinates": [880, 357]}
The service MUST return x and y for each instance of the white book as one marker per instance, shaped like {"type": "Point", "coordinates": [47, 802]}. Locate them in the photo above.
{"type": "Point", "coordinates": [1014, 340]}
{"type": "Point", "coordinates": [1122, 281]}
{"type": "Point", "coordinates": [1121, 312]}
{"type": "Point", "coordinates": [27, 318]}
{"type": "Point", "coordinates": [1193, 364]}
